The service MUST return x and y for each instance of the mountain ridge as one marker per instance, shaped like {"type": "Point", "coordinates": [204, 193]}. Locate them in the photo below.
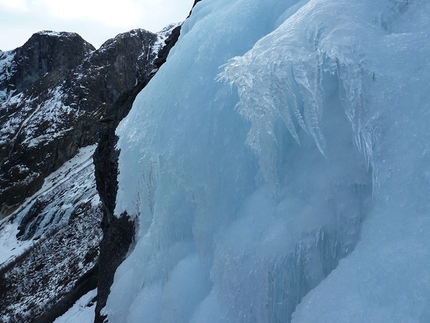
{"type": "Point", "coordinates": [36, 116]}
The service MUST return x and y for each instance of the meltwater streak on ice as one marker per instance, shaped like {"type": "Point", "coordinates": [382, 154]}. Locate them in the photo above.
{"type": "Point", "coordinates": [239, 218]}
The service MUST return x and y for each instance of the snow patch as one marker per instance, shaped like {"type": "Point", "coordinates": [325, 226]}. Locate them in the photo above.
{"type": "Point", "coordinates": [162, 35]}
{"type": "Point", "coordinates": [83, 311]}
{"type": "Point", "coordinates": [10, 246]}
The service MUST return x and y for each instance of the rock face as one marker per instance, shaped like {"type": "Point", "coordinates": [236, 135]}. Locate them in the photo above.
{"type": "Point", "coordinates": [58, 98]}
{"type": "Point", "coordinates": [44, 52]}
{"type": "Point", "coordinates": [118, 233]}
{"type": "Point", "coordinates": [28, 76]}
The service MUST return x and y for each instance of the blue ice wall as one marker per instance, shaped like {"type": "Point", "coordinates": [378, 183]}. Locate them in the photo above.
{"type": "Point", "coordinates": [278, 168]}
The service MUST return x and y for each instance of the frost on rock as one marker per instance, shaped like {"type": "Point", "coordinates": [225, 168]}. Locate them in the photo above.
{"type": "Point", "coordinates": [162, 35]}
{"type": "Point", "coordinates": [52, 116]}
{"type": "Point", "coordinates": [6, 70]}
{"type": "Point", "coordinates": [291, 184]}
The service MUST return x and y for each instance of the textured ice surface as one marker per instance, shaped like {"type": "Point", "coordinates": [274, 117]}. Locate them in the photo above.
{"type": "Point", "coordinates": [292, 183]}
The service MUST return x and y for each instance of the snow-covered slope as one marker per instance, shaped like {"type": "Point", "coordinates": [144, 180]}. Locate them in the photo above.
{"type": "Point", "coordinates": [285, 176]}
{"type": "Point", "coordinates": [82, 311]}
{"type": "Point", "coordinates": [50, 242]}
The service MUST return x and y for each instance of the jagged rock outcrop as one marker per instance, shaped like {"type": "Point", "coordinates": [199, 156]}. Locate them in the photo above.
{"type": "Point", "coordinates": [56, 107]}
{"type": "Point", "coordinates": [44, 53]}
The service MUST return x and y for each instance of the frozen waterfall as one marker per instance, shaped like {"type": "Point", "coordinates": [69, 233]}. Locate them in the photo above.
{"type": "Point", "coordinates": [278, 166]}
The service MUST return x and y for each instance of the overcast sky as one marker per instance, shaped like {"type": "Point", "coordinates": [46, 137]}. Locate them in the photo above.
{"type": "Point", "coordinates": [95, 20]}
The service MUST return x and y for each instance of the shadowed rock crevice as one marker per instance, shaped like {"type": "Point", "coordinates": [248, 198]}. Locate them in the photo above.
{"type": "Point", "coordinates": [118, 233]}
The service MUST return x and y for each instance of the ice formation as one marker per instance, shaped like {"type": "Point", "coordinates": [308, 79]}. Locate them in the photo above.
{"type": "Point", "coordinates": [278, 165]}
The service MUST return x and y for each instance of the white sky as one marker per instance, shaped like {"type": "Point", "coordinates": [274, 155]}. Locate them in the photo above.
{"type": "Point", "coordinates": [95, 20]}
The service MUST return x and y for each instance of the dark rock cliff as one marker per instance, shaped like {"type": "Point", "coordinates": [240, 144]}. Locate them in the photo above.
{"type": "Point", "coordinates": [29, 74]}
{"type": "Point", "coordinates": [118, 233]}
{"type": "Point", "coordinates": [61, 99]}
{"type": "Point", "coordinates": [63, 103]}
{"type": "Point", "coordinates": [45, 52]}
